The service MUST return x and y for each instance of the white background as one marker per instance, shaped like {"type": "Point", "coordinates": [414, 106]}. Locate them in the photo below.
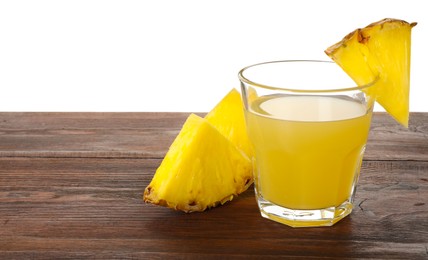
{"type": "Point", "coordinates": [181, 55]}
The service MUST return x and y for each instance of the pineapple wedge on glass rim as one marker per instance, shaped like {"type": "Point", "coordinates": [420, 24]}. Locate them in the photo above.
{"type": "Point", "coordinates": [381, 48]}
{"type": "Point", "coordinates": [202, 169]}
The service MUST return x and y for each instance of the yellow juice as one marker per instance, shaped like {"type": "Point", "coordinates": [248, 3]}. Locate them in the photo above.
{"type": "Point", "coordinates": [308, 149]}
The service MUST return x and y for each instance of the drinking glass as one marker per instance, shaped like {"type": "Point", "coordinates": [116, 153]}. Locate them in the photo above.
{"type": "Point", "coordinates": [308, 123]}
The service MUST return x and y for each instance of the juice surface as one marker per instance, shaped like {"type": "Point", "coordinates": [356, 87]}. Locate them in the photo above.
{"type": "Point", "coordinates": [308, 149]}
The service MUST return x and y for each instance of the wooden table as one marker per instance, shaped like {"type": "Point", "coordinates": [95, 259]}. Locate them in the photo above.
{"type": "Point", "coordinates": [71, 186]}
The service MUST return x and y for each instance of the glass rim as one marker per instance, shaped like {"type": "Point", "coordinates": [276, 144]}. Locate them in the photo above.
{"type": "Point", "coordinates": [244, 79]}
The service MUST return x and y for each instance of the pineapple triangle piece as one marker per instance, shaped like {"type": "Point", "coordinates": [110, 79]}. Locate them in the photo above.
{"type": "Point", "coordinates": [381, 49]}
{"type": "Point", "coordinates": [201, 169]}
{"type": "Point", "coordinates": [228, 117]}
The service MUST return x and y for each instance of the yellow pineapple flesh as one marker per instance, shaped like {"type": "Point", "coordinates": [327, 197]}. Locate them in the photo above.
{"type": "Point", "coordinates": [202, 169]}
{"type": "Point", "coordinates": [381, 49]}
{"type": "Point", "coordinates": [228, 117]}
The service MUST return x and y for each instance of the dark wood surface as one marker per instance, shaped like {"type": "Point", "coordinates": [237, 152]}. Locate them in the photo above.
{"type": "Point", "coordinates": [71, 187]}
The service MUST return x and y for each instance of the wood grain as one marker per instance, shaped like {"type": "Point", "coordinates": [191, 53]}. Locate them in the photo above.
{"type": "Point", "coordinates": [71, 186]}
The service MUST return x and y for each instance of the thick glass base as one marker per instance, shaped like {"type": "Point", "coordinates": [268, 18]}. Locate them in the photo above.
{"type": "Point", "coordinates": [304, 218]}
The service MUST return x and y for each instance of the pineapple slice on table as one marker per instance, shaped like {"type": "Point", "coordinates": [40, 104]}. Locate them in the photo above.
{"type": "Point", "coordinates": [381, 49]}
{"type": "Point", "coordinates": [201, 169]}
{"type": "Point", "coordinates": [228, 117]}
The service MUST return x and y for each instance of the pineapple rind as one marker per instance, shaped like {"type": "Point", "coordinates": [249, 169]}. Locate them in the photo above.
{"type": "Point", "coordinates": [380, 49]}
{"type": "Point", "coordinates": [190, 178]}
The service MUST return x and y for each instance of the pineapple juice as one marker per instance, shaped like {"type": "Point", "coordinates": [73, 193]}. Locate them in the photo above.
{"type": "Point", "coordinates": [308, 148]}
